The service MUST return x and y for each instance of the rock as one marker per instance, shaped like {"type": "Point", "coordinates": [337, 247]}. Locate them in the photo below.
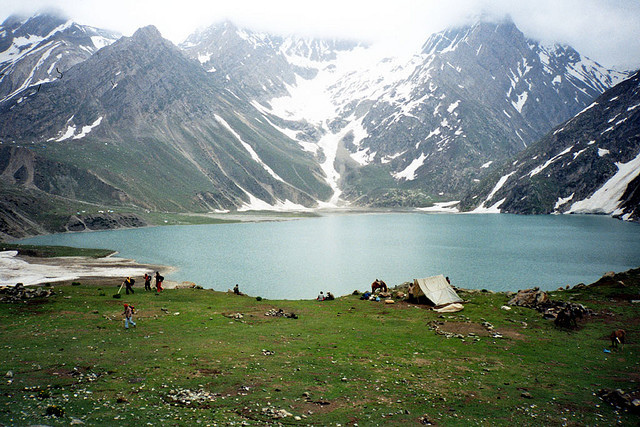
{"type": "Point", "coordinates": [530, 298]}
{"type": "Point", "coordinates": [526, 395]}
{"type": "Point", "coordinates": [9, 374]}
{"type": "Point", "coordinates": [75, 421]}
{"type": "Point", "coordinates": [506, 307]}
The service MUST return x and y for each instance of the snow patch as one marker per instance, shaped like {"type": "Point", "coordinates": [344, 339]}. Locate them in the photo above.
{"type": "Point", "coordinates": [561, 201]}
{"type": "Point", "coordinates": [71, 130]}
{"type": "Point", "coordinates": [539, 169]}
{"type": "Point", "coordinates": [486, 165]}
{"type": "Point", "coordinates": [444, 207]}
{"type": "Point", "coordinates": [607, 198]}
{"type": "Point", "coordinates": [495, 208]}
{"type": "Point", "coordinates": [86, 129]}
{"type": "Point", "coordinates": [453, 106]}
{"type": "Point", "coordinates": [409, 173]}
{"type": "Point", "coordinates": [249, 149]}
{"type": "Point", "coordinates": [602, 152]}
{"type": "Point", "coordinates": [522, 98]}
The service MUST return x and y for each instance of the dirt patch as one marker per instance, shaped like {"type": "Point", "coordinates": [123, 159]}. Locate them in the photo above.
{"type": "Point", "coordinates": [206, 372]}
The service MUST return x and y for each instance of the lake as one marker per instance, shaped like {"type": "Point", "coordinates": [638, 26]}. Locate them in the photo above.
{"type": "Point", "coordinates": [340, 253]}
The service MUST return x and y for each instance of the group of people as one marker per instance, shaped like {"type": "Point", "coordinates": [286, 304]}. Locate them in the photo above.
{"type": "Point", "coordinates": [129, 282]}
{"type": "Point", "coordinates": [328, 297]}
{"type": "Point", "coordinates": [129, 310]}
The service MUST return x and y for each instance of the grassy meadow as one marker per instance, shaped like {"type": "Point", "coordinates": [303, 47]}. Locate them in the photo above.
{"type": "Point", "coordinates": [201, 357]}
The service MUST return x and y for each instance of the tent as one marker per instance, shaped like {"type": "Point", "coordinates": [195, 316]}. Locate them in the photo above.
{"type": "Point", "coordinates": [435, 288]}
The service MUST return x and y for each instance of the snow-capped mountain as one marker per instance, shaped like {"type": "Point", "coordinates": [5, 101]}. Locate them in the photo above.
{"type": "Point", "coordinates": [235, 119]}
{"type": "Point", "coordinates": [260, 65]}
{"type": "Point", "coordinates": [40, 49]}
{"type": "Point", "coordinates": [152, 123]}
{"type": "Point", "coordinates": [589, 164]}
{"type": "Point", "coordinates": [435, 122]}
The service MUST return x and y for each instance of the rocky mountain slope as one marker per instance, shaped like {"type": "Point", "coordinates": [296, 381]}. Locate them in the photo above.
{"type": "Point", "coordinates": [150, 122]}
{"type": "Point", "coordinates": [41, 49]}
{"type": "Point", "coordinates": [234, 119]}
{"type": "Point", "coordinates": [589, 164]}
{"type": "Point", "coordinates": [433, 123]}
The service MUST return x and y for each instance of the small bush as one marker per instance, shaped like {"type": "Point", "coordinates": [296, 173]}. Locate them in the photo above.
{"type": "Point", "coordinates": [76, 283]}
{"type": "Point", "coordinates": [258, 298]}
{"type": "Point", "coordinates": [117, 296]}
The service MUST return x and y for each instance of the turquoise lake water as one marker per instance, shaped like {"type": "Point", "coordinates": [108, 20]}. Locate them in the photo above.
{"type": "Point", "coordinates": [340, 253]}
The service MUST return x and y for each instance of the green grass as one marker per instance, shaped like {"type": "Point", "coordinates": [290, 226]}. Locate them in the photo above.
{"type": "Point", "coordinates": [341, 362]}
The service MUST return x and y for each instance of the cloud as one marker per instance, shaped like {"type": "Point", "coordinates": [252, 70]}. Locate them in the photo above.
{"type": "Point", "coordinates": [605, 30]}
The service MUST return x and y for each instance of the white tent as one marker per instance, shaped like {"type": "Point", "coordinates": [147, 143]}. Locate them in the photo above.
{"type": "Point", "coordinates": [436, 288]}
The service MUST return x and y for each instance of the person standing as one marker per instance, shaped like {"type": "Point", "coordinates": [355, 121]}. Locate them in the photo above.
{"type": "Point", "coordinates": [129, 285]}
{"type": "Point", "coordinates": [128, 316]}
{"type": "Point", "coordinates": [159, 280]}
{"type": "Point", "coordinates": [147, 282]}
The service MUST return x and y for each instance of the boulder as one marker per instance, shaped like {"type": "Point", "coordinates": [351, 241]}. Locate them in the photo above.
{"type": "Point", "coordinates": [531, 298]}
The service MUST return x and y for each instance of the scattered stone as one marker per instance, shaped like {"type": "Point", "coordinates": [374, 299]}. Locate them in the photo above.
{"type": "Point", "coordinates": [186, 397]}
{"type": "Point", "coordinates": [564, 314]}
{"type": "Point", "coordinates": [629, 401]}
{"type": "Point", "coordinates": [424, 420]}
{"type": "Point", "coordinates": [276, 414]}
{"type": "Point", "coordinates": [280, 313]}
{"type": "Point", "coordinates": [20, 293]}
{"type": "Point", "coordinates": [268, 352]}
{"type": "Point", "coordinates": [9, 374]}
{"type": "Point", "coordinates": [526, 395]}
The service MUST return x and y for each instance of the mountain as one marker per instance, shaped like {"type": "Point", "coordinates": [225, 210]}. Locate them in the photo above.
{"type": "Point", "coordinates": [234, 119]}
{"type": "Point", "coordinates": [40, 49]}
{"type": "Point", "coordinates": [589, 164]}
{"type": "Point", "coordinates": [259, 65]}
{"type": "Point", "coordinates": [152, 124]}
{"type": "Point", "coordinates": [426, 127]}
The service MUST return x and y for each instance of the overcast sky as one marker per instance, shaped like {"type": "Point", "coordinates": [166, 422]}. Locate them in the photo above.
{"type": "Point", "coordinates": [607, 31]}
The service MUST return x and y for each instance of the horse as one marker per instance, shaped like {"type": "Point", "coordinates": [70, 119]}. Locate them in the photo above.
{"type": "Point", "coordinates": [379, 284]}
{"type": "Point", "coordinates": [617, 337]}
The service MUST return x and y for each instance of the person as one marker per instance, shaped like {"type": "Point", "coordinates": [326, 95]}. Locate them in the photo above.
{"type": "Point", "coordinates": [236, 289]}
{"type": "Point", "coordinates": [448, 281]}
{"type": "Point", "coordinates": [320, 297]}
{"type": "Point", "coordinates": [128, 285]}
{"type": "Point", "coordinates": [128, 314]}
{"type": "Point", "coordinates": [366, 295]}
{"type": "Point", "coordinates": [330, 296]}
{"type": "Point", "coordinates": [147, 282]}
{"type": "Point", "coordinates": [159, 280]}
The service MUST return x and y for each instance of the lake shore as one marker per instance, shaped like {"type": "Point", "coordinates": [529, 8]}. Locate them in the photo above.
{"type": "Point", "coordinates": [104, 271]}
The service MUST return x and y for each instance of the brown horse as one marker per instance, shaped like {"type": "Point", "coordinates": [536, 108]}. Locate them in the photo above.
{"type": "Point", "coordinates": [379, 284]}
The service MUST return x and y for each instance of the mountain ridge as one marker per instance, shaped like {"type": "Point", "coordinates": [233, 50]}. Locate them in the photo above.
{"type": "Point", "coordinates": [236, 120]}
